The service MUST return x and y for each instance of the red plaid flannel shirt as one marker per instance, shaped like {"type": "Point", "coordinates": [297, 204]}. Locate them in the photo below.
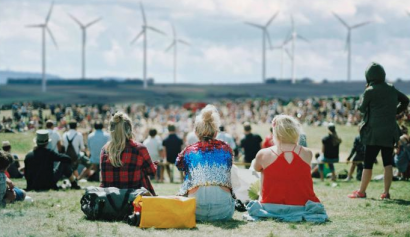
{"type": "Point", "coordinates": [133, 174]}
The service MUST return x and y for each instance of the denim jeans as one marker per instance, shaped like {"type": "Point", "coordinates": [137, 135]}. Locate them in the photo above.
{"type": "Point", "coordinates": [213, 203]}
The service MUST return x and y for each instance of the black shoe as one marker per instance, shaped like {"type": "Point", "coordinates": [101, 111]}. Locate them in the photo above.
{"type": "Point", "coordinates": [74, 185]}
{"type": "Point", "coordinates": [239, 206]}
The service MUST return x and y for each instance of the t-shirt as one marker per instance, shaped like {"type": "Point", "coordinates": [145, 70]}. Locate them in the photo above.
{"type": "Point", "coordinates": [96, 141]}
{"type": "Point", "coordinates": [331, 150]}
{"type": "Point", "coordinates": [55, 138]}
{"type": "Point", "coordinates": [173, 145]}
{"type": "Point", "coordinates": [223, 136]}
{"type": "Point", "coordinates": [154, 146]}
{"type": "Point", "coordinates": [251, 144]}
{"type": "Point", "coordinates": [78, 142]}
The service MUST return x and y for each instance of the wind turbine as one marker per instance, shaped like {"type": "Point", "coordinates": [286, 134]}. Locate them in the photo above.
{"type": "Point", "coordinates": [294, 35]}
{"type": "Point", "coordinates": [282, 52]}
{"type": "Point", "coordinates": [45, 29]}
{"type": "Point", "coordinates": [174, 44]}
{"type": "Point", "coordinates": [265, 35]}
{"type": "Point", "coordinates": [348, 41]}
{"type": "Point", "coordinates": [143, 33]}
{"type": "Point", "coordinates": [84, 40]}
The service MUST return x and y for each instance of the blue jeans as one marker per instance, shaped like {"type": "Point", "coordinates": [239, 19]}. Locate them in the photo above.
{"type": "Point", "coordinates": [213, 204]}
{"type": "Point", "coordinates": [19, 194]}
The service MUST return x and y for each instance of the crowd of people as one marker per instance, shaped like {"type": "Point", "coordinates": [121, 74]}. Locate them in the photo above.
{"type": "Point", "coordinates": [142, 142]}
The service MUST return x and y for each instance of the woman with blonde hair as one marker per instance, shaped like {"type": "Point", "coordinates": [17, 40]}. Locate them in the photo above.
{"type": "Point", "coordinates": [287, 188]}
{"type": "Point", "coordinates": [207, 165]}
{"type": "Point", "coordinates": [125, 163]}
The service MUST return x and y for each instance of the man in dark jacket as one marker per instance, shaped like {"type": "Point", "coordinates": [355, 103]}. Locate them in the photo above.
{"type": "Point", "coordinates": [251, 144]}
{"type": "Point", "coordinates": [39, 166]}
{"type": "Point", "coordinates": [381, 102]}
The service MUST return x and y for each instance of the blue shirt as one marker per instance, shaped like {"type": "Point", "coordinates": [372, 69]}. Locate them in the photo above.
{"type": "Point", "coordinates": [96, 141]}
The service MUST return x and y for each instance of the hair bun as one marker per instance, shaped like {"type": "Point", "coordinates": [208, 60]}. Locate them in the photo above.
{"type": "Point", "coordinates": [207, 116]}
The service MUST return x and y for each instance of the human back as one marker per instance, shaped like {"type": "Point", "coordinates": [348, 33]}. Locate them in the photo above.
{"type": "Point", "coordinates": [285, 167]}
{"type": "Point", "coordinates": [124, 163]}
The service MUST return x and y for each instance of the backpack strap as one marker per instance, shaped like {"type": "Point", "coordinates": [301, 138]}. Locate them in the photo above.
{"type": "Point", "coordinates": [72, 139]}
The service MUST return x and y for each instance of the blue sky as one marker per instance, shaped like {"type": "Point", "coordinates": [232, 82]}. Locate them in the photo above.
{"type": "Point", "coordinates": [223, 50]}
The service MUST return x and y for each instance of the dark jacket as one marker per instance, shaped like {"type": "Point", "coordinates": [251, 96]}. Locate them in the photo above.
{"type": "Point", "coordinates": [39, 168]}
{"type": "Point", "coordinates": [380, 104]}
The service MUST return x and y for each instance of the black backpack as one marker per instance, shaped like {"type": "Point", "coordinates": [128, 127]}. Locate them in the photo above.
{"type": "Point", "coordinates": [110, 203]}
{"type": "Point", "coordinates": [70, 150]}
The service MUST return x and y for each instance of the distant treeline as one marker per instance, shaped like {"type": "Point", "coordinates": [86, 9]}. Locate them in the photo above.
{"type": "Point", "coordinates": [78, 82]}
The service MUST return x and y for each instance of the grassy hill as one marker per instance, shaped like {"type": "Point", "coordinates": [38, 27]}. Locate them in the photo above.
{"type": "Point", "coordinates": [168, 93]}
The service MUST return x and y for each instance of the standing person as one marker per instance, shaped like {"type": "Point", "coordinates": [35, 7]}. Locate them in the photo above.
{"type": "Point", "coordinates": [39, 170]}
{"type": "Point", "coordinates": [74, 144]}
{"type": "Point", "coordinates": [14, 167]}
{"type": "Point", "coordinates": [268, 142]}
{"type": "Point", "coordinates": [330, 151]}
{"type": "Point", "coordinates": [207, 165]}
{"type": "Point", "coordinates": [380, 104]}
{"type": "Point", "coordinates": [55, 144]}
{"type": "Point", "coordinates": [226, 137]}
{"type": "Point", "coordinates": [358, 157]}
{"type": "Point", "coordinates": [154, 147]}
{"type": "Point", "coordinates": [95, 142]}
{"type": "Point", "coordinates": [251, 144]}
{"type": "Point", "coordinates": [172, 147]}
{"type": "Point", "coordinates": [286, 182]}
{"type": "Point", "coordinates": [125, 163]}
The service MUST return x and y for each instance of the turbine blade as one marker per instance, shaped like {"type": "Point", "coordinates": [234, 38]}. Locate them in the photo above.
{"type": "Point", "coordinates": [361, 24]}
{"type": "Point", "coordinates": [156, 30]}
{"type": "Point", "coordinates": [93, 22]}
{"type": "Point", "coordinates": [303, 38]}
{"type": "Point", "coordinates": [183, 42]}
{"type": "Point", "coordinates": [138, 36]}
{"type": "Point", "coordinates": [271, 19]}
{"type": "Point", "coordinates": [49, 12]}
{"type": "Point", "coordinates": [52, 37]}
{"type": "Point", "coordinates": [76, 20]}
{"type": "Point", "coordinates": [35, 26]}
{"type": "Point", "coordinates": [144, 19]}
{"type": "Point", "coordinates": [341, 20]}
{"type": "Point", "coordinates": [170, 46]}
{"type": "Point", "coordinates": [288, 53]}
{"type": "Point", "coordinates": [347, 40]}
{"type": "Point", "coordinates": [255, 25]}
{"type": "Point", "coordinates": [268, 37]}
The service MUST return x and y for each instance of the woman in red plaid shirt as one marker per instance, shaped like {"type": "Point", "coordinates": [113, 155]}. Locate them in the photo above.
{"type": "Point", "coordinates": [124, 163]}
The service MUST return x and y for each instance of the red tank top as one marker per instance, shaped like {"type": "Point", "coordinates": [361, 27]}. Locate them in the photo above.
{"type": "Point", "coordinates": [288, 183]}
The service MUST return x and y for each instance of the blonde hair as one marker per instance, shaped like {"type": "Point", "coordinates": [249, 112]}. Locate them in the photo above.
{"type": "Point", "coordinates": [121, 132]}
{"type": "Point", "coordinates": [207, 123]}
{"type": "Point", "coordinates": [286, 129]}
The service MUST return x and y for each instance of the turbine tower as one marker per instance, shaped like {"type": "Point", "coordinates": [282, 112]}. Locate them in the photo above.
{"type": "Point", "coordinates": [349, 43]}
{"type": "Point", "coordinates": [282, 52]}
{"type": "Point", "coordinates": [83, 28]}
{"type": "Point", "coordinates": [143, 33]}
{"type": "Point", "coordinates": [265, 35]}
{"type": "Point", "coordinates": [44, 27]}
{"type": "Point", "coordinates": [174, 44]}
{"type": "Point", "coordinates": [294, 35]}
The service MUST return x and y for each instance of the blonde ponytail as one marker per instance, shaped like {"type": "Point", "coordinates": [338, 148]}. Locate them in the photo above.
{"type": "Point", "coordinates": [207, 123]}
{"type": "Point", "coordinates": [121, 133]}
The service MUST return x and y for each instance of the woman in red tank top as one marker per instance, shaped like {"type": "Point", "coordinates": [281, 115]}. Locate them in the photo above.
{"type": "Point", "coordinates": [285, 167]}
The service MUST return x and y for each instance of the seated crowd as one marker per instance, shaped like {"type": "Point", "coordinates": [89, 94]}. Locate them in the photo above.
{"type": "Point", "coordinates": [284, 161]}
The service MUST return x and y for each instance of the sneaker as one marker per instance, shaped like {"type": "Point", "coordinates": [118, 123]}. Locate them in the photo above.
{"type": "Point", "coordinates": [74, 185]}
{"type": "Point", "coordinates": [348, 179]}
{"type": "Point", "coordinates": [385, 196]}
{"type": "Point", "coordinates": [357, 194]}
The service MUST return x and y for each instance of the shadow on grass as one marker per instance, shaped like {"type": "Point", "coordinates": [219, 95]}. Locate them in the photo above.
{"type": "Point", "coordinates": [393, 201]}
{"type": "Point", "coordinates": [227, 225]}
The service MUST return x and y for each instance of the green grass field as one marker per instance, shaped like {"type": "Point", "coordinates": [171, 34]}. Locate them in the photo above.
{"type": "Point", "coordinates": [58, 213]}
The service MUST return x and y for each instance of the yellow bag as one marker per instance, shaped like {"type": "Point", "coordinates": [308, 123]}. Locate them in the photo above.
{"type": "Point", "coordinates": [166, 211]}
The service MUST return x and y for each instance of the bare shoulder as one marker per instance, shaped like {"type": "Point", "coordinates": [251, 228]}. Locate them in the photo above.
{"type": "Point", "coordinates": [263, 153]}
{"type": "Point", "coordinates": [306, 155]}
